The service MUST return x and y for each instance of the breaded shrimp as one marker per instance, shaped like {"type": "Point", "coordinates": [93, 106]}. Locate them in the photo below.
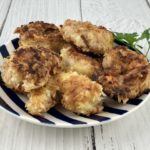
{"type": "Point", "coordinates": [125, 74]}
{"type": "Point", "coordinates": [80, 94]}
{"type": "Point", "coordinates": [121, 60]}
{"type": "Point", "coordinates": [127, 86]}
{"type": "Point", "coordinates": [88, 37]}
{"type": "Point", "coordinates": [76, 61]}
{"type": "Point", "coordinates": [42, 99]}
{"type": "Point", "coordinates": [29, 68]}
{"type": "Point", "coordinates": [40, 34]}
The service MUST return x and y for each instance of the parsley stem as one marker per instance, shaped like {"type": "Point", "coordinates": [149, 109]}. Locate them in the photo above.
{"type": "Point", "coordinates": [147, 51]}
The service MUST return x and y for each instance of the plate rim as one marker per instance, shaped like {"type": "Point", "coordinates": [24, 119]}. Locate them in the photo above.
{"type": "Point", "coordinates": [78, 125]}
{"type": "Point", "coordinates": [95, 123]}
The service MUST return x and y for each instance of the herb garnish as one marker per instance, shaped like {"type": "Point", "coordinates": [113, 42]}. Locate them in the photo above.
{"type": "Point", "coordinates": [131, 40]}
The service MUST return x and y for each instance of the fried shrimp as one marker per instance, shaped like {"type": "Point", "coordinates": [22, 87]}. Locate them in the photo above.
{"type": "Point", "coordinates": [121, 60]}
{"type": "Point", "coordinates": [29, 68]}
{"type": "Point", "coordinates": [88, 37]}
{"type": "Point", "coordinates": [125, 74]}
{"type": "Point", "coordinates": [73, 60]}
{"type": "Point", "coordinates": [127, 86]}
{"type": "Point", "coordinates": [42, 99]}
{"type": "Point", "coordinates": [40, 34]}
{"type": "Point", "coordinates": [80, 94]}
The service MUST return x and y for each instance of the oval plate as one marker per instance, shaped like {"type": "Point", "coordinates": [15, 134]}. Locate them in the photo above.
{"type": "Point", "coordinates": [14, 103]}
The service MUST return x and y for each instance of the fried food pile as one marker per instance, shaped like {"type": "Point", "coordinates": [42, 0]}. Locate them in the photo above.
{"type": "Point", "coordinates": [65, 60]}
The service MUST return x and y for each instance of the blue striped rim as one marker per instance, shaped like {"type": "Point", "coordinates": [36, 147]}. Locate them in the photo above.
{"type": "Point", "coordinates": [97, 118]}
{"type": "Point", "coordinates": [3, 51]}
{"type": "Point", "coordinates": [135, 101]}
{"type": "Point", "coordinates": [61, 116]}
{"type": "Point", "coordinates": [21, 104]}
{"type": "Point", "coordinates": [147, 91]}
{"type": "Point", "coordinates": [53, 111]}
{"type": "Point", "coordinates": [15, 43]}
{"type": "Point", "coordinates": [6, 106]}
{"type": "Point", "coordinates": [114, 110]}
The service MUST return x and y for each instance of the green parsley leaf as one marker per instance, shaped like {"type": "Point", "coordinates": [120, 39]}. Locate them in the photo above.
{"type": "Point", "coordinates": [127, 39]}
{"type": "Point", "coordinates": [130, 39]}
{"type": "Point", "coordinates": [145, 35]}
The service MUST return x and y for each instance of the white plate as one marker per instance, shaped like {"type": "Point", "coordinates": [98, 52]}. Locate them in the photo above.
{"type": "Point", "coordinates": [59, 117]}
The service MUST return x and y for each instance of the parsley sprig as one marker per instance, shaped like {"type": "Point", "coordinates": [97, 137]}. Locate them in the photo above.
{"type": "Point", "coordinates": [131, 40]}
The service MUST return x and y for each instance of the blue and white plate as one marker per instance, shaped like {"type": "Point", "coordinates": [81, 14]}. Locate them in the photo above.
{"type": "Point", "coordinates": [14, 103]}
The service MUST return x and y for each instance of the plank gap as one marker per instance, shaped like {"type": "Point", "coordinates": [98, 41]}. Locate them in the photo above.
{"type": "Point", "coordinates": [148, 3]}
{"type": "Point", "coordinates": [3, 24]}
{"type": "Point", "coordinates": [93, 138]}
{"type": "Point", "coordinates": [81, 9]}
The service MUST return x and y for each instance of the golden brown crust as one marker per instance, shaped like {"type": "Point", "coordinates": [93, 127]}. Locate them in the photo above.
{"type": "Point", "coordinates": [125, 74]}
{"type": "Point", "coordinates": [121, 60]}
{"type": "Point", "coordinates": [80, 94]}
{"type": "Point", "coordinates": [87, 36]}
{"type": "Point", "coordinates": [36, 71]}
{"type": "Point", "coordinates": [127, 86]}
{"type": "Point", "coordinates": [76, 61]}
{"type": "Point", "coordinates": [40, 34]}
{"type": "Point", "coordinates": [42, 99]}
{"type": "Point", "coordinates": [30, 68]}
{"type": "Point", "coordinates": [38, 28]}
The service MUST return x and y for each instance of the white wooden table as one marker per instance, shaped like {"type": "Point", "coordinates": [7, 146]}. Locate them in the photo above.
{"type": "Point", "coordinates": [129, 133]}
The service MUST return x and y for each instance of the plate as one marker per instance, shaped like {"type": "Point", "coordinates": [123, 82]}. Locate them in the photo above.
{"type": "Point", "coordinates": [14, 103]}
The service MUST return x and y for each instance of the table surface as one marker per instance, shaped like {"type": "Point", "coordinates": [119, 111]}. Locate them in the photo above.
{"type": "Point", "coordinates": [129, 133]}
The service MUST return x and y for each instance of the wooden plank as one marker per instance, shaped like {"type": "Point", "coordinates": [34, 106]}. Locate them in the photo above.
{"type": "Point", "coordinates": [4, 7]}
{"type": "Point", "coordinates": [49, 11]}
{"type": "Point", "coordinates": [148, 3]}
{"type": "Point", "coordinates": [129, 133]}
{"type": "Point", "coordinates": [22, 135]}
{"type": "Point", "coordinates": [120, 135]}
{"type": "Point", "coordinates": [105, 12]}
{"type": "Point", "coordinates": [99, 12]}
{"type": "Point", "coordinates": [133, 9]}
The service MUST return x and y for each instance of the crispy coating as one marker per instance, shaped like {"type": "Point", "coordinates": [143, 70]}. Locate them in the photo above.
{"type": "Point", "coordinates": [125, 74]}
{"type": "Point", "coordinates": [40, 34]}
{"type": "Point", "coordinates": [42, 99]}
{"type": "Point", "coordinates": [80, 94]}
{"type": "Point", "coordinates": [86, 36]}
{"type": "Point", "coordinates": [29, 68]}
{"type": "Point", "coordinates": [121, 60]}
{"type": "Point", "coordinates": [75, 61]}
{"type": "Point", "coordinates": [126, 86]}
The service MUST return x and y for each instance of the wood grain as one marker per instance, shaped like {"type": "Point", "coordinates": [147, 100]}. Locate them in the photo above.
{"type": "Point", "coordinates": [129, 133]}
{"type": "Point", "coordinates": [18, 134]}
{"type": "Point", "coordinates": [104, 12]}
{"type": "Point", "coordinates": [22, 12]}
{"type": "Point", "coordinates": [139, 10]}
{"type": "Point", "coordinates": [4, 7]}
